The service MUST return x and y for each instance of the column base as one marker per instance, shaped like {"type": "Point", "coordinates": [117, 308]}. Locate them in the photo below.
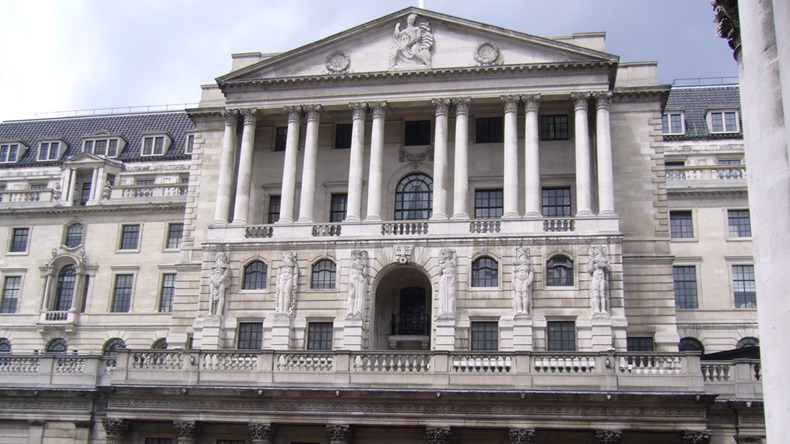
{"type": "Point", "coordinates": [511, 216]}
{"type": "Point", "coordinates": [533, 215]}
{"type": "Point", "coordinates": [353, 219]}
{"type": "Point", "coordinates": [219, 222]}
{"type": "Point", "coordinates": [373, 219]}
{"type": "Point", "coordinates": [440, 216]}
{"type": "Point", "coordinates": [238, 222]}
{"type": "Point", "coordinates": [461, 216]}
{"type": "Point", "coordinates": [607, 213]}
{"type": "Point", "coordinates": [585, 213]}
{"type": "Point", "coordinates": [284, 220]}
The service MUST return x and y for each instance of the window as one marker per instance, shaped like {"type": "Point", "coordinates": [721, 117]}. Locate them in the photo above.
{"type": "Point", "coordinates": [167, 292]}
{"type": "Point", "coordinates": [723, 121]}
{"type": "Point", "coordinates": [731, 169]}
{"type": "Point", "coordinates": [672, 123]}
{"type": "Point", "coordinates": [748, 342]}
{"type": "Point", "coordinates": [85, 195]}
{"type": "Point", "coordinates": [739, 223]}
{"type": "Point", "coordinates": [554, 127]}
{"type": "Point", "coordinates": [74, 235]}
{"type": "Point", "coordinates": [103, 147]}
{"type": "Point", "coordinates": [159, 344]}
{"type": "Point", "coordinates": [174, 234]}
{"type": "Point", "coordinates": [280, 137]}
{"type": "Point", "coordinates": [153, 146]}
{"type": "Point", "coordinates": [414, 197]}
{"type": "Point", "coordinates": [743, 286]}
{"type": "Point", "coordinates": [38, 186]}
{"type": "Point", "coordinates": [122, 293]}
{"type": "Point", "coordinates": [49, 151]}
{"type": "Point", "coordinates": [639, 343]}
{"type": "Point", "coordinates": [319, 336]}
{"type": "Point", "coordinates": [485, 336]}
{"type": "Point", "coordinates": [11, 289]}
{"type": "Point", "coordinates": [323, 275]}
{"type": "Point", "coordinates": [559, 272]}
{"type": "Point", "coordinates": [144, 192]}
{"type": "Point", "coordinates": [561, 335]}
{"type": "Point", "coordinates": [343, 136]}
{"type": "Point", "coordinates": [190, 144]}
{"type": "Point", "coordinates": [690, 344]}
{"type": "Point", "coordinates": [418, 132]}
{"type": "Point", "coordinates": [5, 346]}
{"type": "Point", "coordinates": [111, 347]}
{"type": "Point", "coordinates": [681, 225]}
{"type": "Point", "coordinates": [685, 278]}
{"type": "Point", "coordinates": [19, 240]}
{"type": "Point", "coordinates": [57, 345]}
{"type": "Point", "coordinates": [488, 204]}
{"type": "Point", "coordinates": [489, 130]}
{"type": "Point", "coordinates": [675, 171]}
{"type": "Point", "coordinates": [556, 202]}
{"type": "Point", "coordinates": [9, 152]}
{"type": "Point", "coordinates": [485, 273]}
{"type": "Point", "coordinates": [274, 210]}
{"type": "Point", "coordinates": [130, 235]}
{"type": "Point", "coordinates": [255, 276]}
{"type": "Point", "coordinates": [250, 336]}
{"type": "Point", "coordinates": [337, 212]}
{"type": "Point", "coordinates": [729, 161]}
{"type": "Point", "coordinates": [67, 279]}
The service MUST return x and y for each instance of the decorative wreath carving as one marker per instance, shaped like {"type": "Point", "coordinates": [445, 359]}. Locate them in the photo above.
{"type": "Point", "coordinates": [486, 54]}
{"type": "Point", "coordinates": [338, 62]}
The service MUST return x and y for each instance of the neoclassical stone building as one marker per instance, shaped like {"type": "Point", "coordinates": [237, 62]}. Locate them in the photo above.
{"type": "Point", "coordinates": [421, 229]}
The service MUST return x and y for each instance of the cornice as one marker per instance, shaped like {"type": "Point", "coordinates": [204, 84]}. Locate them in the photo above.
{"type": "Point", "coordinates": [642, 94]}
{"type": "Point", "coordinates": [727, 192]}
{"type": "Point", "coordinates": [206, 114]}
{"type": "Point", "coordinates": [146, 207]}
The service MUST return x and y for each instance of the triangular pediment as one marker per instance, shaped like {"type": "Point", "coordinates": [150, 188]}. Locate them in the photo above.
{"type": "Point", "coordinates": [84, 159]}
{"type": "Point", "coordinates": [416, 39]}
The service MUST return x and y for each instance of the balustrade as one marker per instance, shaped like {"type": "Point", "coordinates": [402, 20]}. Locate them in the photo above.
{"type": "Point", "coordinates": [701, 172]}
{"type": "Point", "coordinates": [392, 363]}
{"type": "Point", "coordinates": [482, 364]}
{"type": "Point", "coordinates": [148, 191]}
{"type": "Point", "coordinates": [258, 231]}
{"type": "Point", "coordinates": [326, 230]}
{"type": "Point", "coordinates": [233, 362]}
{"type": "Point", "coordinates": [565, 224]}
{"type": "Point", "coordinates": [19, 365]}
{"type": "Point", "coordinates": [650, 364]}
{"type": "Point", "coordinates": [716, 371]}
{"type": "Point", "coordinates": [23, 196]}
{"type": "Point", "coordinates": [56, 316]}
{"type": "Point", "coordinates": [404, 228]}
{"type": "Point", "coordinates": [158, 360]}
{"type": "Point", "coordinates": [565, 364]}
{"type": "Point", "coordinates": [305, 362]}
{"type": "Point", "coordinates": [485, 226]}
{"type": "Point", "coordinates": [69, 365]}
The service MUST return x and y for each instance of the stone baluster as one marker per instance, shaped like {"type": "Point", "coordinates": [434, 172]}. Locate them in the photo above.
{"type": "Point", "coordinates": [603, 134]}
{"type": "Point", "coordinates": [262, 433]}
{"type": "Point", "coordinates": [244, 179]}
{"type": "Point", "coordinates": [308, 168]}
{"type": "Point", "coordinates": [441, 107]}
{"type": "Point", "coordinates": [510, 191]}
{"type": "Point", "coordinates": [461, 167]}
{"type": "Point", "coordinates": [583, 174]}
{"type": "Point", "coordinates": [187, 431]}
{"type": "Point", "coordinates": [532, 156]}
{"type": "Point", "coordinates": [288, 192]}
{"type": "Point", "coordinates": [521, 436]}
{"type": "Point", "coordinates": [115, 429]}
{"type": "Point", "coordinates": [339, 434]}
{"type": "Point", "coordinates": [375, 178]}
{"type": "Point", "coordinates": [438, 435]}
{"type": "Point", "coordinates": [222, 207]}
{"type": "Point", "coordinates": [355, 162]}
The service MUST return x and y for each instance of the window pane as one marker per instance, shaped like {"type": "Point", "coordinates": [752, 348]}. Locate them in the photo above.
{"type": "Point", "coordinates": [343, 135]}
{"type": "Point", "coordinates": [685, 278]}
{"type": "Point", "coordinates": [112, 346]}
{"type": "Point", "coordinates": [559, 272]}
{"type": "Point", "coordinates": [729, 122]}
{"type": "Point", "coordinates": [676, 123]}
{"type": "Point", "coordinates": [488, 204]}
{"type": "Point", "coordinates": [489, 130]}
{"type": "Point", "coordinates": [690, 344]}
{"type": "Point", "coordinates": [561, 336]}
{"type": "Point", "coordinates": [129, 237]}
{"type": "Point", "coordinates": [337, 212]}
{"type": "Point", "coordinates": [743, 286]}
{"type": "Point", "coordinates": [739, 223]}
{"type": "Point", "coordinates": [67, 279]}
{"type": "Point", "coordinates": [159, 145]}
{"type": "Point", "coordinates": [485, 273]}
{"type": "Point", "coordinates": [122, 294]}
{"type": "Point", "coordinates": [19, 240]}
{"type": "Point", "coordinates": [554, 127]}
{"type": "Point", "coordinates": [414, 198]}
{"type": "Point", "coordinates": [174, 234]}
{"type": "Point", "coordinates": [717, 123]}
{"type": "Point", "coordinates": [101, 148]}
{"type": "Point", "coordinates": [319, 336]}
{"type": "Point", "coordinates": [148, 146]}
{"type": "Point", "coordinates": [639, 344]}
{"type": "Point", "coordinates": [417, 133]}
{"type": "Point", "coordinates": [5, 345]}
{"type": "Point", "coordinates": [112, 149]}
{"type": "Point", "coordinates": [11, 289]}
{"type": "Point", "coordinates": [274, 210]}
{"type": "Point", "coordinates": [485, 336]}
{"type": "Point", "coordinates": [74, 235]}
{"type": "Point", "coordinates": [250, 336]}
{"type": "Point", "coordinates": [167, 292]}
{"type": "Point", "coordinates": [680, 225]}
{"type": "Point", "coordinates": [255, 276]}
{"type": "Point", "coordinates": [281, 135]}
{"type": "Point", "coordinates": [323, 275]}
{"type": "Point", "coordinates": [556, 202]}
{"type": "Point", "coordinates": [58, 345]}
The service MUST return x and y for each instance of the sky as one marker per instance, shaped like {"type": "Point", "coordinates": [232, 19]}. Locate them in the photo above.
{"type": "Point", "coordinates": [60, 55]}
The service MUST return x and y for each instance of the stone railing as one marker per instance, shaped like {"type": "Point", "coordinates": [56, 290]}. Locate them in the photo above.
{"type": "Point", "coordinates": [404, 228]}
{"type": "Point", "coordinates": [392, 362]}
{"type": "Point", "coordinates": [25, 196]}
{"type": "Point", "coordinates": [51, 370]}
{"type": "Point", "coordinates": [737, 379]}
{"type": "Point", "coordinates": [326, 230]}
{"type": "Point", "coordinates": [57, 318]}
{"type": "Point", "coordinates": [485, 226]}
{"type": "Point", "coordinates": [258, 231]}
{"type": "Point", "coordinates": [650, 364]}
{"type": "Point", "coordinates": [564, 224]}
{"type": "Point", "coordinates": [565, 364]}
{"type": "Point", "coordinates": [701, 172]}
{"type": "Point", "coordinates": [157, 191]}
{"type": "Point", "coordinates": [482, 363]}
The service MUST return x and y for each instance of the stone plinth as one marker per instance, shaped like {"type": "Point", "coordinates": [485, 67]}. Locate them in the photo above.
{"type": "Point", "coordinates": [212, 331]}
{"type": "Point", "coordinates": [281, 332]}
{"type": "Point", "coordinates": [522, 333]}
{"type": "Point", "coordinates": [601, 332]}
{"type": "Point", "coordinates": [445, 334]}
{"type": "Point", "coordinates": [352, 333]}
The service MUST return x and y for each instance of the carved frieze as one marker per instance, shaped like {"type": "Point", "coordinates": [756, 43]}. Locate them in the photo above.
{"type": "Point", "coordinates": [412, 45]}
{"type": "Point", "coordinates": [415, 159]}
{"type": "Point", "coordinates": [403, 253]}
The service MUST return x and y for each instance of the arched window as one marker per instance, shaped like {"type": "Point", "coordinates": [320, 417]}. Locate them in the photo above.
{"type": "Point", "coordinates": [254, 276]}
{"type": "Point", "coordinates": [112, 346]}
{"type": "Point", "coordinates": [690, 344]}
{"type": "Point", "coordinates": [74, 235]}
{"type": "Point", "coordinates": [323, 275]}
{"type": "Point", "coordinates": [559, 272]}
{"type": "Point", "coordinates": [485, 273]}
{"type": "Point", "coordinates": [414, 197]}
{"type": "Point", "coordinates": [160, 344]}
{"type": "Point", "coordinates": [65, 292]}
{"type": "Point", "coordinates": [5, 345]}
{"type": "Point", "coordinates": [57, 345]}
{"type": "Point", "coordinates": [748, 342]}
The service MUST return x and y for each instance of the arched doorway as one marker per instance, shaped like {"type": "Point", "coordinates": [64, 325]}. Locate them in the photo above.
{"type": "Point", "coordinates": [402, 309]}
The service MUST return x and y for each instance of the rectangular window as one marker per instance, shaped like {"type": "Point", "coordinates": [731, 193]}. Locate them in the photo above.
{"type": "Point", "coordinates": [250, 336]}
{"type": "Point", "coordinates": [556, 202]}
{"type": "Point", "coordinates": [190, 144]}
{"type": "Point", "coordinates": [175, 232]}
{"type": "Point", "coordinates": [561, 335]}
{"type": "Point", "coordinates": [343, 136]}
{"type": "Point", "coordinates": [167, 292]}
{"type": "Point", "coordinates": [418, 132]}
{"type": "Point", "coordinates": [274, 210]}
{"type": "Point", "coordinates": [685, 278]}
{"type": "Point", "coordinates": [130, 235]}
{"type": "Point", "coordinates": [485, 336]}
{"type": "Point", "coordinates": [153, 146]}
{"type": "Point", "coordinates": [319, 336]}
{"type": "Point", "coordinates": [9, 153]}
{"type": "Point", "coordinates": [639, 343]}
{"type": "Point", "coordinates": [337, 212]}
{"type": "Point", "coordinates": [723, 122]}
{"type": "Point", "coordinates": [280, 137]}
{"type": "Point", "coordinates": [739, 223]}
{"type": "Point", "coordinates": [681, 225]}
{"type": "Point", "coordinates": [672, 123]}
{"type": "Point", "coordinates": [554, 127]}
{"type": "Point", "coordinates": [48, 151]}
{"type": "Point", "coordinates": [11, 289]}
{"type": "Point", "coordinates": [489, 130]}
{"type": "Point", "coordinates": [38, 186]}
{"type": "Point", "coordinates": [675, 170]}
{"type": "Point", "coordinates": [743, 286]}
{"type": "Point", "coordinates": [488, 204]}
{"type": "Point", "coordinates": [102, 147]}
{"type": "Point", "coordinates": [122, 293]}
{"type": "Point", "coordinates": [19, 238]}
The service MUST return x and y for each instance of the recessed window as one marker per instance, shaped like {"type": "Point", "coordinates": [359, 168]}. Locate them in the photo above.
{"type": "Point", "coordinates": [190, 145]}
{"type": "Point", "coordinates": [489, 130]}
{"type": "Point", "coordinates": [485, 273]}
{"type": "Point", "coordinates": [167, 292]}
{"type": "Point", "coordinates": [319, 336]}
{"type": "Point", "coordinates": [58, 345]}
{"type": "Point", "coordinates": [681, 225]}
{"type": "Point", "coordinates": [675, 171]}
{"type": "Point", "coordinates": [111, 347]}
{"type": "Point", "coordinates": [38, 186]}
{"type": "Point", "coordinates": [48, 151]}
{"type": "Point", "coordinates": [343, 136]}
{"type": "Point", "coordinates": [561, 335]}
{"type": "Point", "coordinates": [122, 293]}
{"type": "Point", "coordinates": [414, 197]}
{"type": "Point", "coordinates": [559, 272]}
{"type": "Point", "coordinates": [639, 343]}
{"type": "Point", "coordinates": [556, 202]}
{"type": "Point", "coordinates": [748, 342]}
{"type": "Point", "coordinates": [743, 286]}
{"type": "Point", "coordinates": [64, 295]}
{"type": "Point", "coordinates": [280, 138]}
{"type": "Point", "coordinates": [554, 127]}
{"type": "Point", "coordinates": [417, 132]}
{"type": "Point", "coordinates": [485, 336]}
{"type": "Point", "coordinates": [323, 275]}
{"type": "Point", "coordinates": [672, 123]}
{"type": "Point", "coordinates": [337, 211]}
{"type": "Point", "coordinates": [255, 274]}
{"type": "Point", "coordinates": [739, 223]}
{"type": "Point", "coordinates": [723, 121]}
{"type": "Point", "coordinates": [175, 232]}
{"type": "Point", "coordinates": [74, 234]}
{"type": "Point", "coordinates": [19, 237]}
{"type": "Point", "coordinates": [154, 145]}
{"type": "Point", "coordinates": [130, 235]}
{"type": "Point", "coordinates": [690, 344]}
{"type": "Point", "coordinates": [109, 147]}
{"type": "Point", "coordinates": [273, 214]}
{"type": "Point", "coordinates": [488, 204]}
{"type": "Point", "coordinates": [5, 346]}
{"type": "Point", "coordinates": [685, 278]}
{"type": "Point", "coordinates": [12, 286]}
{"type": "Point", "coordinates": [159, 344]}
{"type": "Point", "coordinates": [9, 152]}
{"type": "Point", "coordinates": [250, 336]}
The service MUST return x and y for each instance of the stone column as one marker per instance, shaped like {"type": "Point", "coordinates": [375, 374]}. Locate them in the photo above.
{"type": "Point", "coordinates": [244, 181]}
{"type": "Point", "coordinates": [521, 436]}
{"type": "Point", "coordinates": [438, 435]}
{"type": "Point", "coordinates": [262, 433]}
{"type": "Point", "coordinates": [354, 205]}
{"type": "Point", "coordinates": [308, 168]}
{"type": "Point", "coordinates": [222, 207]}
{"type": "Point", "coordinates": [532, 156]}
{"type": "Point", "coordinates": [510, 190]}
{"type": "Point", "coordinates": [97, 183]}
{"type": "Point", "coordinates": [339, 434]}
{"type": "Point", "coordinates": [68, 191]}
{"type": "Point", "coordinates": [603, 133]}
{"type": "Point", "coordinates": [608, 436]}
{"type": "Point", "coordinates": [49, 279]}
{"type": "Point", "coordinates": [115, 429]}
{"type": "Point", "coordinates": [375, 178]}
{"type": "Point", "coordinates": [288, 192]}
{"type": "Point", "coordinates": [441, 107]}
{"type": "Point", "coordinates": [461, 167]}
{"type": "Point", "coordinates": [583, 179]}
{"type": "Point", "coordinates": [187, 431]}
{"type": "Point", "coordinates": [94, 179]}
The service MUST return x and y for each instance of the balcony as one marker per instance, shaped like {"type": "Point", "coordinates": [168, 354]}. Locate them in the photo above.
{"type": "Point", "coordinates": [701, 178]}
{"type": "Point", "coordinates": [120, 195]}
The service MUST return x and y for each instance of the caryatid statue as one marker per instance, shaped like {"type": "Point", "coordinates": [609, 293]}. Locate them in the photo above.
{"type": "Point", "coordinates": [220, 275]}
{"type": "Point", "coordinates": [599, 268]}
{"type": "Point", "coordinates": [287, 277]}
{"type": "Point", "coordinates": [357, 283]}
{"type": "Point", "coordinates": [522, 281]}
{"type": "Point", "coordinates": [448, 283]}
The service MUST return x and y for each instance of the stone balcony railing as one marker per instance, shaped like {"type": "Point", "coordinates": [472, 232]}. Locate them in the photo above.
{"type": "Point", "coordinates": [127, 194]}
{"type": "Point", "coordinates": [737, 379]}
{"type": "Point", "coordinates": [723, 175]}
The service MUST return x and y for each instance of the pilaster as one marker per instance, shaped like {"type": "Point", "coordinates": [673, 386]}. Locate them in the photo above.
{"type": "Point", "coordinates": [521, 436]}
{"type": "Point", "coordinates": [438, 435]}
{"type": "Point", "coordinates": [608, 436]}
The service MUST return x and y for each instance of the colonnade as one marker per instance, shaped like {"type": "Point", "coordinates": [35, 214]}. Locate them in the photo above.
{"type": "Point", "coordinates": [442, 108]}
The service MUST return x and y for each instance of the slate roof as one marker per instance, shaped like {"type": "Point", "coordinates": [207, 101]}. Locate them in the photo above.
{"type": "Point", "coordinates": [695, 101]}
{"type": "Point", "coordinates": [73, 130]}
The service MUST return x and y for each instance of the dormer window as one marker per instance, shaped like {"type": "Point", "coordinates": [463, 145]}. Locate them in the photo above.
{"type": "Point", "coordinates": [155, 145]}
{"type": "Point", "coordinates": [10, 152]}
{"type": "Point", "coordinates": [49, 150]}
{"type": "Point", "coordinates": [723, 121]}
{"type": "Point", "coordinates": [672, 123]}
{"type": "Point", "coordinates": [105, 147]}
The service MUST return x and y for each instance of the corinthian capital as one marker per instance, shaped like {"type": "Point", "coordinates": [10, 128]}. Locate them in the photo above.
{"type": "Point", "coordinates": [115, 427]}
{"type": "Point", "coordinates": [231, 116]}
{"type": "Point", "coordinates": [186, 429]}
{"type": "Point", "coordinates": [261, 432]}
{"type": "Point", "coordinates": [250, 116]}
{"type": "Point", "coordinates": [580, 99]}
{"type": "Point", "coordinates": [441, 106]}
{"type": "Point", "coordinates": [531, 101]}
{"type": "Point", "coordinates": [313, 112]}
{"type": "Point", "coordinates": [510, 103]}
{"type": "Point", "coordinates": [338, 434]}
{"type": "Point", "coordinates": [603, 99]}
{"type": "Point", "coordinates": [461, 105]}
{"type": "Point", "coordinates": [294, 113]}
{"type": "Point", "coordinates": [438, 435]}
{"type": "Point", "coordinates": [358, 109]}
{"type": "Point", "coordinates": [521, 436]}
{"type": "Point", "coordinates": [379, 109]}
